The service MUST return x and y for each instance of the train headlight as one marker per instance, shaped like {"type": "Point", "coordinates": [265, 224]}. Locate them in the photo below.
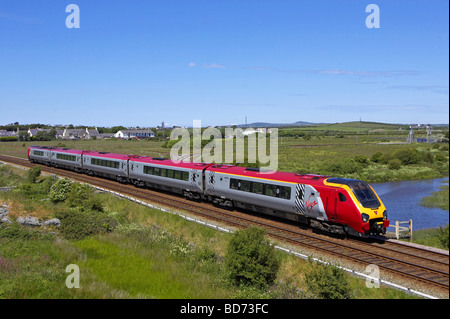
{"type": "Point", "coordinates": [385, 214]}
{"type": "Point", "coordinates": [365, 217]}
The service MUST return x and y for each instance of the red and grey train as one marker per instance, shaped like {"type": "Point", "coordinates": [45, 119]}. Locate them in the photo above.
{"type": "Point", "coordinates": [336, 205]}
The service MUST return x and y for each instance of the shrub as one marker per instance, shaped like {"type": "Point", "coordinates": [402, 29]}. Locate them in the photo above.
{"type": "Point", "coordinates": [327, 281]}
{"type": "Point", "coordinates": [385, 158]}
{"type": "Point", "coordinates": [361, 159]}
{"type": "Point", "coordinates": [427, 157]}
{"type": "Point", "coordinates": [33, 174]}
{"type": "Point", "coordinates": [81, 195]}
{"type": "Point", "coordinates": [77, 224]}
{"type": "Point", "coordinates": [408, 156]}
{"type": "Point", "coordinates": [440, 158]}
{"type": "Point", "coordinates": [250, 259]}
{"type": "Point", "coordinates": [377, 157]}
{"type": "Point", "coordinates": [394, 164]}
{"type": "Point", "coordinates": [346, 166]}
{"type": "Point", "coordinates": [59, 190]}
{"type": "Point", "coordinates": [443, 236]}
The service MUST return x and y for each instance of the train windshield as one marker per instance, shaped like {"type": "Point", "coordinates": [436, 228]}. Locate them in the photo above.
{"type": "Point", "coordinates": [365, 194]}
{"type": "Point", "coordinates": [362, 191]}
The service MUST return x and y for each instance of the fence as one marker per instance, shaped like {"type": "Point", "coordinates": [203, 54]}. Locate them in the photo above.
{"type": "Point", "coordinates": [402, 229]}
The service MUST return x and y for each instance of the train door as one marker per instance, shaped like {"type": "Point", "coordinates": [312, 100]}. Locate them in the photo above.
{"type": "Point", "coordinates": [332, 203]}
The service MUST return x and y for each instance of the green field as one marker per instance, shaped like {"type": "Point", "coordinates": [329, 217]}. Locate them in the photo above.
{"type": "Point", "coordinates": [362, 150]}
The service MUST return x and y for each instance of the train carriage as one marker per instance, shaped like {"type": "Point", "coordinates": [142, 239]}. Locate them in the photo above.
{"type": "Point", "coordinates": [334, 205]}
{"type": "Point", "coordinates": [105, 164]}
{"type": "Point", "coordinates": [162, 173]}
{"type": "Point", "coordinates": [39, 154]}
{"type": "Point", "coordinates": [66, 158]}
{"type": "Point", "coordinates": [279, 194]}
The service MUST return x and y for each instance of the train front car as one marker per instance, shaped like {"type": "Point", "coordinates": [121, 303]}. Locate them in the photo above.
{"type": "Point", "coordinates": [359, 206]}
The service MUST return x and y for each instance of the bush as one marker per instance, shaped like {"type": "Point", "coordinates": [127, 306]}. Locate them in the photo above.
{"type": "Point", "coordinates": [77, 224]}
{"type": "Point", "coordinates": [346, 166]}
{"type": "Point", "coordinates": [427, 157]}
{"type": "Point", "coordinates": [377, 157]}
{"type": "Point", "coordinates": [440, 158]}
{"type": "Point", "coordinates": [394, 164]}
{"type": "Point", "coordinates": [59, 190]}
{"type": "Point", "coordinates": [250, 259]}
{"type": "Point", "coordinates": [385, 158]}
{"type": "Point", "coordinates": [408, 157]}
{"type": "Point", "coordinates": [33, 174]}
{"type": "Point", "coordinates": [361, 159]}
{"type": "Point", "coordinates": [81, 195]}
{"type": "Point", "coordinates": [328, 282]}
{"type": "Point", "coordinates": [443, 236]}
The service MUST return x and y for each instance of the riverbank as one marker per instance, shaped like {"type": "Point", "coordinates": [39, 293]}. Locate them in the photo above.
{"type": "Point", "coordinates": [438, 199]}
{"type": "Point", "coordinates": [433, 237]}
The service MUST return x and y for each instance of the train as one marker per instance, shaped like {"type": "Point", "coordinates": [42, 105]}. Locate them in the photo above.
{"type": "Point", "coordinates": [330, 204]}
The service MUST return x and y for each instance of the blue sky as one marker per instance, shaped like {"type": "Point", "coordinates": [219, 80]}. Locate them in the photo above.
{"type": "Point", "coordinates": [143, 62]}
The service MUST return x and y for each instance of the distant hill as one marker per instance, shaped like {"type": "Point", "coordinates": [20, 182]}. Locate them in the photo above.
{"type": "Point", "coordinates": [264, 124]}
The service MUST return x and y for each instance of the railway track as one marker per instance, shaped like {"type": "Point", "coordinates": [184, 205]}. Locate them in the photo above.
{"type": "Point", "coordinates": [420, 267]}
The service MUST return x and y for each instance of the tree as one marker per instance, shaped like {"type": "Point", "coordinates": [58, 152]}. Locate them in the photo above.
{"type": "Point", "coordinates": [250, 258]}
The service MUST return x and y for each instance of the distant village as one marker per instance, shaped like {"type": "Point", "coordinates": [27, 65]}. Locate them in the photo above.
{"type": "Point", "coordinates": [42, 134]}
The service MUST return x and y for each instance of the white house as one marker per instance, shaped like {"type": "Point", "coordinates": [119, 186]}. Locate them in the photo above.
{"type": "Point", "coordinates": [134, 134]}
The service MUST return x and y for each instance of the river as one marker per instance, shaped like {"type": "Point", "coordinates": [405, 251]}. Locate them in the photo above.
{"type": "Point", "coordinates": [402, 201]}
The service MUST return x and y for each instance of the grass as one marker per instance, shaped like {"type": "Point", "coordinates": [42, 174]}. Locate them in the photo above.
{"type": "Point", "coordinates": [149, 273]}
{"type": "Point", "coordinates": [429, 237]}
{"type": "Point", "coordinates": [438, 199]}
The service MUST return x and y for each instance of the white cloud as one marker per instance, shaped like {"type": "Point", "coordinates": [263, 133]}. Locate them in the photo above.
{"type": "Point", "coordinates": [192, 64]}
{"type": "Point", "coordinates": [214, 66]}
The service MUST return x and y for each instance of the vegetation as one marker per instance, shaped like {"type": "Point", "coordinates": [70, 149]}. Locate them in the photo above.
{"type": "Point", "coordinates": [363, 150]}
{"type": "Point", "coordinates": [436, 237]}
{"type": "Point", "coordinates": [438, 199]}
{"type": "Point", "coordinates": [327, 282]}
{"type": "Point", "coordinates": [251, 259]}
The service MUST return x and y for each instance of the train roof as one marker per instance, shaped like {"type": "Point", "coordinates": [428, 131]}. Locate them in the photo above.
{"type": "Point", "coordinates": [168, 162]}
{"type": "Point", "coordinates": [310, 179]}
{"type": "Point", "coordinates": [57, 149]}
{"type": "Point", "coordinates": [107, 155]}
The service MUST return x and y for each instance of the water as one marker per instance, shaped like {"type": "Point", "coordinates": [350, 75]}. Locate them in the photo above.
{"type": "Point", "coordinates": [402, 201]}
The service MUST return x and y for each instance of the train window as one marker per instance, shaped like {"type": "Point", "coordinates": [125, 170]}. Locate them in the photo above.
{"type": "Point", "coordinates": [157, 171]}
{"type": "Point", "coordinates": [185, 176]}
{"type": "Point", "coordinates": [257, 188]}
{"type": "Point", "coordinates": [163, 172]}
{"type": "Point", "coordinates": [178, 174]}
{"type": "Point", "coordinates": [148, 170]}
{"type": "Point", "coordinates": [38, 153]}
{"type": "Point", "coordinates": [270, 190]}
{"type": "Point", "coordinates": [245, 186]}
{"type": "Point", "coordinates": [234, 183]}
{"type": "Point", "coordinates": [170, 173]}
{"type": "Point", "coordinates": [342, 197]}
{"type": "Point", "coordinates": [285, 192]}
